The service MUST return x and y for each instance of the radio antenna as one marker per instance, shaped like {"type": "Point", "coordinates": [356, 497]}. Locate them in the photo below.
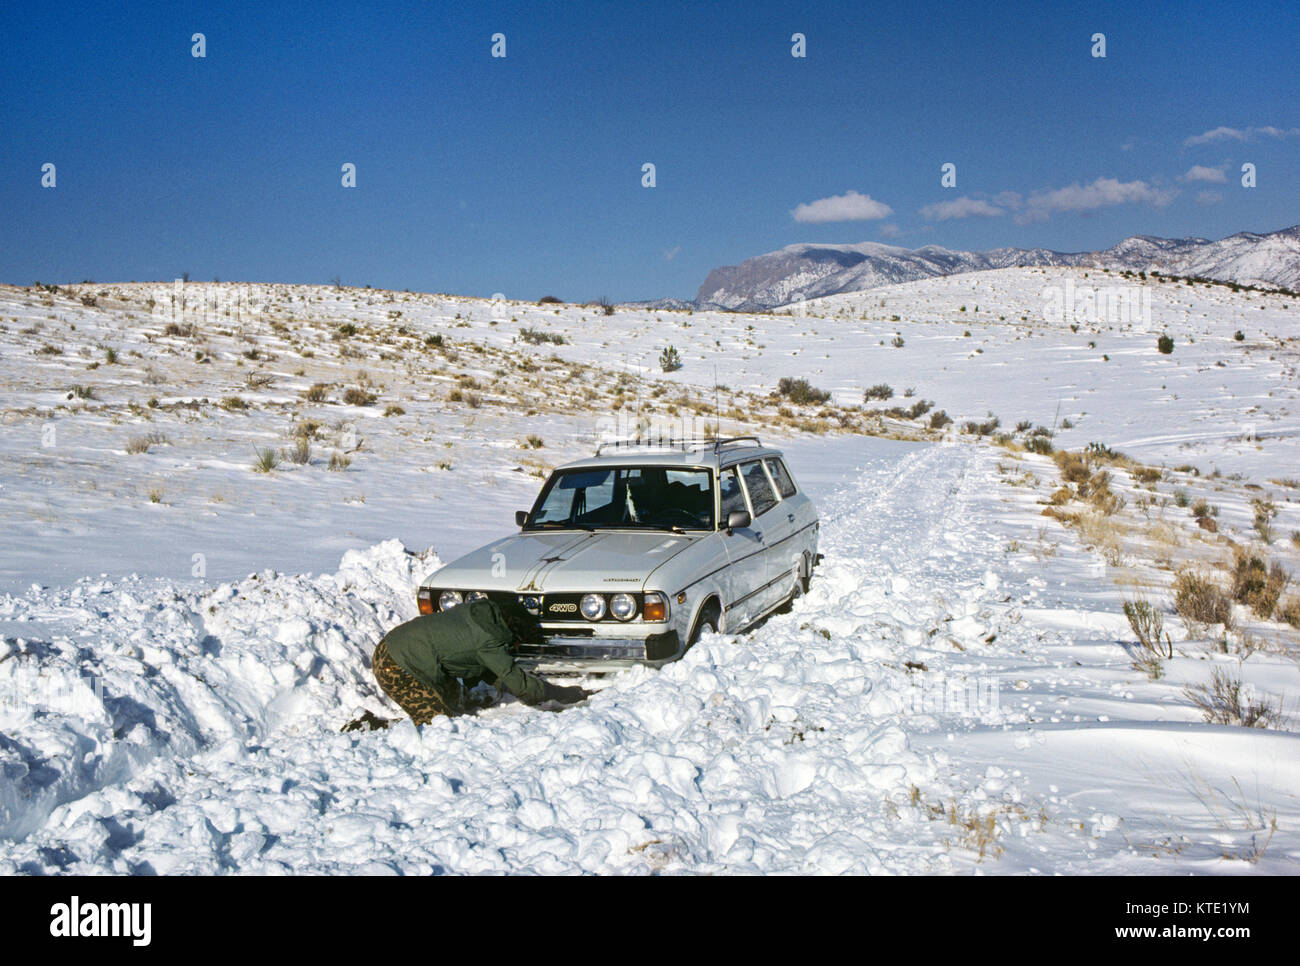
{"type": "Point", "coordinates": [717, 419]}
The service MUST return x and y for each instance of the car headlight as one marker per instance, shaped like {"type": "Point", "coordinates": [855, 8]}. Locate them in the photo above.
{"type": "Point", "coordinates": [623, 606]}
{"type": "Point", "coordinates": [449, 599]}
{"type": "Point", "coordinates": [474, 595]}
{"type": "Point", "coordinates": [592, 606]}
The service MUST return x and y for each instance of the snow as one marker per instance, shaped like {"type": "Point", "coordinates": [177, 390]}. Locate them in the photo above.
{"type": "Point", "coordinates": [955, 693]}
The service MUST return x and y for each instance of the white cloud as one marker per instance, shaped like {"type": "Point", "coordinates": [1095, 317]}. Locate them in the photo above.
{"type": "Point", "coordinates": [1242, 134]}
{"type": "Point", "coordinates": [960, 208]}
{"type": "Point", "coordinates": [671, 253]}
{"type": "Point", "coordinates": [1209, 197]}
{"type": "Point", "coordinates": [1102, 193]}
{"type": "Point", "coordinates": [1199, 172]}
{"type": "Point", "coordinates": [849, 206]}
{"type": "Point", "coordinates": [890, 230]}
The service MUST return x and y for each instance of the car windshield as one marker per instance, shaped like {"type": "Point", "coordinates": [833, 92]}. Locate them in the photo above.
{"type": "Point", "coordinates": [649, 497]}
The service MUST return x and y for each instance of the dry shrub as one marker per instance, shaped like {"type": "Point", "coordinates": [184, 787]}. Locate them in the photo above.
{"type": "Point", "coordinates": [1257, 584]}
{"type": "Point", "coordinates": [141, 444]}
{"type": "Point", "coordinates": [359, 397]}
{"type": "Point", "coordinates": [1072, 466]}
{"type": "Point", "coordinates": [1226, 701]}
{"type": "Point", "coordinates": [1062, 496]}
{"type": "Point", "coordinates": [1148, 625]}
{"type": "Point", "coordinates": [1199, 600]}
{"type": "Point", "coordinates": [1289, 612]}
{"type": "Point", "coordinates": [305, 429]}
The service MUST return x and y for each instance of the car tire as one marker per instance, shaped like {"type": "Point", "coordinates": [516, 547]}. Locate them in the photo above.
{"type": "Point", "coordinates": [706, 620]}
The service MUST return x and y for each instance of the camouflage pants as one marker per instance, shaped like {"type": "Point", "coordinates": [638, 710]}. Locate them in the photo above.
{"type": "Point", "coordinates": [420, 702]}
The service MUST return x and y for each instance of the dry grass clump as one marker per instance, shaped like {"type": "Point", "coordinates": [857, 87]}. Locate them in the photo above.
{"type": "Point", "coordinates": [300, 452]}
{"type": "Point", "coordinates": [305, 429]}
{"type": "Point", "coordinates": [1100, 495]}
{"type": "Point", "coordinates": [1226, 701]}
{"type": "Point", "coordinates": [359, 397]}
{"type": "Point", "coordinates": [1289, 612]}
{"type": "Point", "coordinates": [265, 460]}
{"type": "Point", "coordinates": [1072, 466]}
{"type": "Point", "coordinates": [1198, 600]}
{"type": "Point", "coordinates": [1256, 584]}
{"type": "Point", "coordinates": [1146, 475]}
{"type": "Point", "coordinates": [141, 444]}
{"type": "Point", "coordinates": [539, 336]}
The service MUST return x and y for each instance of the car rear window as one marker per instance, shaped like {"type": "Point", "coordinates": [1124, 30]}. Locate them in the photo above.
{"type": "Point", "coordinates": [760, 490]}
{"type": "Point", "coordinates": [784, 485]}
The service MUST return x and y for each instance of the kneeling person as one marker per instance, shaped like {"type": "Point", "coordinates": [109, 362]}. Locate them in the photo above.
{"type": "Point", "coordinates": [424, 664]}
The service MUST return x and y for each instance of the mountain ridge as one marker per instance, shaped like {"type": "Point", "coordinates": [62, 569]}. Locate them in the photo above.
{"type": "Point", "coordinates": [809, 270]}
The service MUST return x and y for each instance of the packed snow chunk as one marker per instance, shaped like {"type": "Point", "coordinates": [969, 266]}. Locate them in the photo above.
{"type": "Point", "coordinates": [792, 773]}
{"type": "Point", "coordinates": [677, 774]}
{"type": "Point", "coordinates": [296, 630]}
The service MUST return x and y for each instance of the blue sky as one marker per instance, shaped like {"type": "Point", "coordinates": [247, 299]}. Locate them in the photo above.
{"type": "Point", "coordinates": [522, 175]}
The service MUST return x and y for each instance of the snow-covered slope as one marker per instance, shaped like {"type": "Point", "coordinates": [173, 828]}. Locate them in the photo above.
{"type": "Point", "coordinates": [956, 693]}
{"type": "Point", "coordinates": [933, 705]}
{"type": "Point", "coordinates": [811, 271]}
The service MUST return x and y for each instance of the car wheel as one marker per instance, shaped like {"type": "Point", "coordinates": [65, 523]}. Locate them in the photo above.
{"type": "Point", "coordinates": [706, 621]}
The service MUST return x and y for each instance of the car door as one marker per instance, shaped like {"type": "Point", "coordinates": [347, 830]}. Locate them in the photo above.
{"type": "Point", "coordinates": [746, 572]}
{"type": "Point", "coordinates": [789, 538]}
{"type": "Point", "coordinates": [773, 529]}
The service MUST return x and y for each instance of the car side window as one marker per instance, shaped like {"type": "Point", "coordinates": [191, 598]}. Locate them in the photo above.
{"type": "Point", "coordinates": [733, 498]}
{"type": "Point", "coordinates": [760, 490]}
{"type": "Point", "coordinates": [784, 485]}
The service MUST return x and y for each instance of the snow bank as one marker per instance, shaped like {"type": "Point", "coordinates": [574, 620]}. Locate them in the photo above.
{"type": "Point", "coordinates": [107, 675]}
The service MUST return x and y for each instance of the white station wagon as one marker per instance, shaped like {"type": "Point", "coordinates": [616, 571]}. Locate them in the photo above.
{"type": "Point", "coordinates": [628, 556]}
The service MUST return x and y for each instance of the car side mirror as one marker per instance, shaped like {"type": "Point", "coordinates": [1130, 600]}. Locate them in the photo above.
{"type": "Point", "coordinates": [521, 518]}
{"type": "Point", "coordinates": [738, 520]}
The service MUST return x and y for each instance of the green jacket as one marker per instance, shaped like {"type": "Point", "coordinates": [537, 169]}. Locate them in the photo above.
{"type": "Point", "coordinates": [469, 642]}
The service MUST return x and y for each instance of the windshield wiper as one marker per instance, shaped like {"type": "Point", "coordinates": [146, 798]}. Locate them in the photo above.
{"type": "Point", "coordinates": [564, 524]}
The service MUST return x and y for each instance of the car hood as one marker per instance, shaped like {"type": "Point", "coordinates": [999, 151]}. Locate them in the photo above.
{"type": "Point", "coordinates": [564, 561]}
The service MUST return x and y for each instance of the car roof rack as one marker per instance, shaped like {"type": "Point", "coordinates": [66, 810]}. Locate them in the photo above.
{"type": "Point", "coordinates": [686, 445]}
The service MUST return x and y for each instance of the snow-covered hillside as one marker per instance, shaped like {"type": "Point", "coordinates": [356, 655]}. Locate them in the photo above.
{"type": "Point", "coordinates": [806, 271]}
{"type": "Point", "coordinates": [960, 691]}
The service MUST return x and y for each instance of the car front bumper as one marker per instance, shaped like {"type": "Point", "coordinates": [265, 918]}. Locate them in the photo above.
{"type": "Point", "coordinates": [581, 654]}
